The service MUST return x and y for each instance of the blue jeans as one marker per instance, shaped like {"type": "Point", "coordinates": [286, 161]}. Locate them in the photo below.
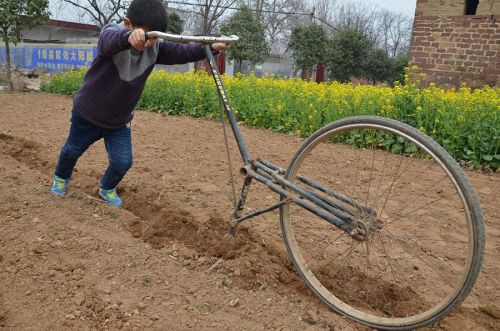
{"type": "Point", "coordinates": [82, 134]}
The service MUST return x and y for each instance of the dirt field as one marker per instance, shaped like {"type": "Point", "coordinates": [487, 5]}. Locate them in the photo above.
{"type": "Point", "coordinates": [162, 262]}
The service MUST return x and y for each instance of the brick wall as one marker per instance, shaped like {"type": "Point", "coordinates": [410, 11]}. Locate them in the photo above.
{"type": "Point", "coordinates": [452, 48]}
{"type": "Point", "coordinates": [455, 7]}
{"type": "Point", "coordinates": [440, 7]}
{"type": "Point", "coordinates": [488, 7]}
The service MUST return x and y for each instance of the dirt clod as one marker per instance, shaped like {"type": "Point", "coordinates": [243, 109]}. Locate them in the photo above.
{"type": "Point", "coordinates": [37, 248]}
{"type": "Point", "coordinates": [493, 311]}
{"type": "Point", "coordinates": [234, 302]}
{"type": "Point", "coordinates": [310, 317]}
{"type": "Point", "coordinates": [79, 299]}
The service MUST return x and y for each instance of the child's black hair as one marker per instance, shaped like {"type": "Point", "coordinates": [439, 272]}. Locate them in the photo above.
{"type": "Point", "coordinates": [150, 14]}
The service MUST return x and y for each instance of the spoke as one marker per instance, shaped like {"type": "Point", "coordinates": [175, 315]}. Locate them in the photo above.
{"type": "Point", "coordinates": [450, 253]}
{"type": "Point", "coordinates": [354, 211]}
{"type": "Point", "coordinates": [356, 175]}
{"type": "Point", "coordinates": [404, 204]}
{"type": "Point", "coordinates": [342, 233]}
{"type": "Point", "coordinates": [416, 209]}
{"type": "Point", "coordinates": [343, 260]}
{"type": "Point", "coordinates": [408, 248]}
{"type": "Point", "coordinates": [378, 285]}
{"type": "Point", "coordinates": [426, 238]}
{"type": "Point", "coordinates": [370, 180]}
{"type": "Point", "coordinates": [381, 180]}
{"type": "Point", "coordinates": [368, 268]}
{"type": "Point", "coordinates": [348, 249]}
{"type": "Point", "coordinates": [433, 211]}
{"type": "Point", "coordinates": [347, 164]}
{"type": "Point", "coordinates": [393, 181]}
{"type": "Point", "coordinates": [365, 283]}
{"type": "Point", "coordinates": [390, 187]}
{"type": "Point", "coordinates": [394, 274]}
{"type": "Point", "coordinates": [412, 179]}
{"type": "Point", "coordinates": [346, 259]}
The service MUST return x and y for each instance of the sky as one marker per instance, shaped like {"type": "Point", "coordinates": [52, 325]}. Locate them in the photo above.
{"type": "Point", "coordinates": [406, 7]}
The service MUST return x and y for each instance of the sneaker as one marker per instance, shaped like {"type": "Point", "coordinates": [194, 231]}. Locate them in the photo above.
{"type": "Point", "coordinates": [111, 197]}
{"type": "Point", "coordinates": [59, 186]}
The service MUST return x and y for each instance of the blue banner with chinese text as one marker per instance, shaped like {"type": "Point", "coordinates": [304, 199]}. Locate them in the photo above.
{"type": "Point", "coordinates": [53, 58]}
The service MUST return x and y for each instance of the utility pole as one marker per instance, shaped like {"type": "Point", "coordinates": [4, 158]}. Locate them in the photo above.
{"type": "Point", "coordinates": [312, 16]}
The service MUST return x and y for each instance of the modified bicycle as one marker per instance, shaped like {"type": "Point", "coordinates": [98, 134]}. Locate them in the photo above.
{"type": "Point", "coordinates": [379, 220]}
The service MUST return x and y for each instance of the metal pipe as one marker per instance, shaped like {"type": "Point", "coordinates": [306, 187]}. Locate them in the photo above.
{"type": "Point", "coordinates": [348, 228]}
{"type": "Point", "coordinates": [195, 39]}
{"type": "Point", "coordinates": [272, 166]}
{"type": "Point", "coordinates": [259, 212]}
{"type": "Point", "coordinates": [328, 201]}
{"type": "Point", "coordinates": [306, 194]}
{"type": "Point", "coordinates": [335, 194]}
{"type": "Point", "coordinates": [227, 105]}
{"type": "Point", "coordinates": [321, 188]}
{"type": "Point", "coordinates": [243, 197]}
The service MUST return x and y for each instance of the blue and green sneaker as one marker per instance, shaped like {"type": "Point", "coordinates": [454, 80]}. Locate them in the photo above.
{"type": "Point", "coordinates": [111, 197]}
{"type": "Point", "coordinates": [59, 186]}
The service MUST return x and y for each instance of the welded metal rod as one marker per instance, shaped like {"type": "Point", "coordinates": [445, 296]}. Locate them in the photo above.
{"type": "Point", "coordinates": [335, 194]}
{"type": "Point", "coordinates": [306, 194]}
{"type": "Point", "coordinates": [243, 197]}
{"type": "Point", "coordinates": [301, 202]}
{"type": "Point", "coordinates": [321, 188]}
{"type": "Point", "coordinates": [227, 105]}
{"type": "Point", "coordinates": [334, 204]}
{"type": "Point", "coordinates": [272, 165]}
{"type": "Point", "coordinates": [260, 211]}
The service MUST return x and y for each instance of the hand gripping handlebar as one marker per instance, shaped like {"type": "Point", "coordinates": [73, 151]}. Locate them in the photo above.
{"type": "Point", "coordinates": [186, 39]}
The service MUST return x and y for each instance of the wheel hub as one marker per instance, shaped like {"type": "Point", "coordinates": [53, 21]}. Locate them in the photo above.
{"type": "Point", "coordinates": [364, 227]}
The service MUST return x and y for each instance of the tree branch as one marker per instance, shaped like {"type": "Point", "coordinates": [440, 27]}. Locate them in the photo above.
{"type": "Point", "coordinates": [76, 4]}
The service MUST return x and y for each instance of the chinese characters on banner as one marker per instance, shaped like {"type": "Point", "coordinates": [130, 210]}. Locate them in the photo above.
{"type": "Point", "coordinates": [53, 58]}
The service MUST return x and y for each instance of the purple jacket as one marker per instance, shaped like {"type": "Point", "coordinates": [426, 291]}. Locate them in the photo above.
{"type": "Point", "coordinates": [115, 80]}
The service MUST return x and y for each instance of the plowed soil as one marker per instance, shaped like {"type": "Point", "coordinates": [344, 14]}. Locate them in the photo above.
{"type": "Point", "coordinates": [163, 261]}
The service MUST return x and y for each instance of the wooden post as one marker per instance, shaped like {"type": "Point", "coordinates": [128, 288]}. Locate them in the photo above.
{"type": "Point", "coordinates": [320, 73]}
{"type": "Point", "coordinates": [221, 63]}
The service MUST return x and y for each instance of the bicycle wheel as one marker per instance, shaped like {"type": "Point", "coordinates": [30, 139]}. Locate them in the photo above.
{"type": "Point", "coordinates": [423, 240]}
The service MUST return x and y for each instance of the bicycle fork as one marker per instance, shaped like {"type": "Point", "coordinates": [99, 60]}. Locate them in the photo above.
{"type": "Point", "coordinates": [335, 211]}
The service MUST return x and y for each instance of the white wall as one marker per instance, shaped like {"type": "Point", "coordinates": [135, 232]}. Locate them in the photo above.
{"type": "Point", "coordinates": [70, 36]}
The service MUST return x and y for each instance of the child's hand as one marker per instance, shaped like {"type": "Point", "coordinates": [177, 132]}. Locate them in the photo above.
{"type": "Point", "coordinates": [220, 47]}
{"type": "Point", "coordinates": [137, 40]}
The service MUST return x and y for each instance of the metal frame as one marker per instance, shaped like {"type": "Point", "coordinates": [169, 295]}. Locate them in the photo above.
{"type": "Point", "coordinates": [270, 174]}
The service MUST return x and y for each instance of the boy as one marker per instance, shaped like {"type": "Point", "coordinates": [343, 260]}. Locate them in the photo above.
{"type": "Point", "coordinates": [103, 107]}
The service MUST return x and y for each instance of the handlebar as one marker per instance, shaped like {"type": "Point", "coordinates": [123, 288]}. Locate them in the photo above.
{"type": "Point", "coordinates": [186, 39]}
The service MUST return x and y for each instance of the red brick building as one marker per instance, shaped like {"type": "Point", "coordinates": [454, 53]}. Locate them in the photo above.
{"type": "Point", "coordinates": [457, 41]}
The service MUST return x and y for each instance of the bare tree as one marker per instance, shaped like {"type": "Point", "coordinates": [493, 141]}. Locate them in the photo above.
{"type": "Point", "coordinates": [324, 11]}
{"type": "Point", "coordinates": [259, 6]}
{"type": "Point", "coordinates": [203, 16]}
{"type": "Point", "coordinates": [385, 29]}
{"type": "Point", "coordinates": [358, 16]}
{"type": "Point", "coordinates": [279, 18]}
{"type": "Point", "coordinates": [394, 31]}
{"type": "Point", "coordinates": [99, 12]}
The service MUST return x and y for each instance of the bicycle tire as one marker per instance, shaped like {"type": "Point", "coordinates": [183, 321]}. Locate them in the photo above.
{"type": "Point", "coordinates": [421, 292]}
